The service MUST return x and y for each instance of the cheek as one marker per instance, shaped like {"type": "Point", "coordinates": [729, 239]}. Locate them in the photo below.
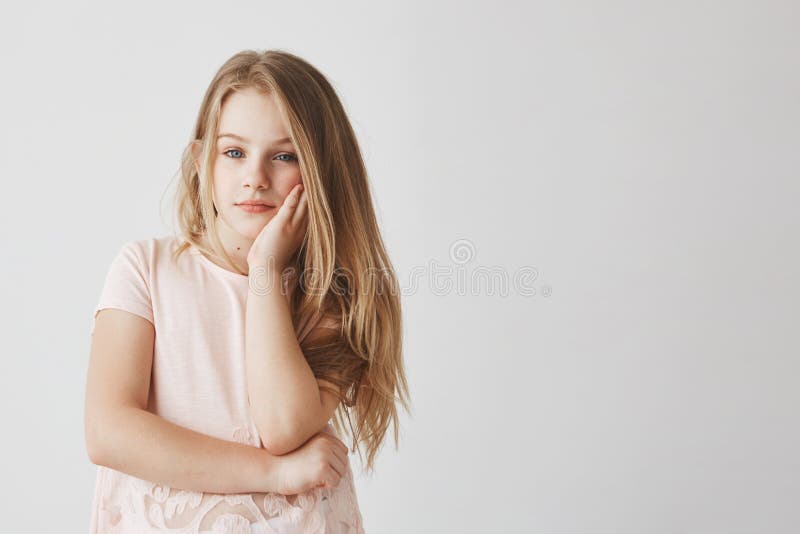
{"type": "Point", "coordinates": [223, 183]}
{"type": "Point", "coordinates": [288, 182]}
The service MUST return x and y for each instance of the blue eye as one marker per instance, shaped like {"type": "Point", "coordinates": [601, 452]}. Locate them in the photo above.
{"type": "Point", "coordinates": [232, 150]}
{"type": "Point", "coordinates": [291, 157]}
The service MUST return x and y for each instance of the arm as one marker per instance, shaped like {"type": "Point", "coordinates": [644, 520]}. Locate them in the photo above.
{"type": "Point", "coordinates": [123, 435]}
{"type": "Point", "coordinates": [287, 404]}
{"type": "Point", "coordinates": [144, 445]}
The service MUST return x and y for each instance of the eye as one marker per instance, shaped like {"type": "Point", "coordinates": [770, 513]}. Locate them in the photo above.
{"type": "Point", "coordinates": [292, 156]}
{"type": "Point", "coordinates": [232, 150]}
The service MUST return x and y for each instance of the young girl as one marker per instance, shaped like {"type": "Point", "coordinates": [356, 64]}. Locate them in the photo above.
{"type": "Point", "coordinates": [220, 356]}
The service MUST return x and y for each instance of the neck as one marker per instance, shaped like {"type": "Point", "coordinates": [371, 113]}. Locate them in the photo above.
{"type": "Point", "coordinates": [236, 247]}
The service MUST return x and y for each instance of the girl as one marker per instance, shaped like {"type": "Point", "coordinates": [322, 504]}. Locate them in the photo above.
{"type": "Point", "coordinates": [220, 356]}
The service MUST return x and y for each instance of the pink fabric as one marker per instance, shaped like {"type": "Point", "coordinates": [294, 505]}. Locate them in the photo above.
{"type": "Point", "coordinates": [198, 381]}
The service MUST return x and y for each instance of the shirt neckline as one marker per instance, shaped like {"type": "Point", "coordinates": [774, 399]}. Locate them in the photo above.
{"type": "Point", "coordinates": [216, 268]}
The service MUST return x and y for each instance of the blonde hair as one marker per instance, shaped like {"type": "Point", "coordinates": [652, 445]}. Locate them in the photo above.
{"type": "Point", "coordinates": [343, 248]}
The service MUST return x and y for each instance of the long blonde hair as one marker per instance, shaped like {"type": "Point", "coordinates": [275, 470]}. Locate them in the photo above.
{"type": "Point", "coordinates": [353, 282]}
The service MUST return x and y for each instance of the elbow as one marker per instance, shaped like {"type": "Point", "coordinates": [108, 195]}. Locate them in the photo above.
{"type": "Point", "coordinates": [277, 447]}
{"type": "Point", "coordinates": [92, 451]}
{"type": "Point", "coordinates": [280, 439]}
{"type": "Point", "coordinates": [94, 454]}
{"type": "Point", "coordinates": [278, 444]}
{"type": "Point", "coordinates": [94, 445]}
{"type": "Point", "coordinates": [100, 428]}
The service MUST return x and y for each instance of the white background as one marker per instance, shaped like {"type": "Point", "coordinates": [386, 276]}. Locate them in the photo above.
{"type": "Point", "coordinates": [641, 156]}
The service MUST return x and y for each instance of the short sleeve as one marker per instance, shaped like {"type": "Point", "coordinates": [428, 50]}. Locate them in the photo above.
{"type": "Point", "coordinates": [126, 285]}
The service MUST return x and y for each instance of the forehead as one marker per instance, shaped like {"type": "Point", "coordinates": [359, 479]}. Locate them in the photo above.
{"type": "Point", "coordinates": [252, 116]}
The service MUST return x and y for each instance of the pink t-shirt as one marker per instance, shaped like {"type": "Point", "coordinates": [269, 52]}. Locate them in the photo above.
{"type": "Point", "coordinates": [199, 382]}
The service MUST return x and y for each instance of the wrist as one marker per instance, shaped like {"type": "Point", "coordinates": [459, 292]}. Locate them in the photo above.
{"type": "Point", "coordinates": [265, 266]}
{"type": "Point", "coordinates": [268, 472]}
{"type": "Point", "coordinates": [266, 263]}
{"type": "Point", "coordinates": [264, 278]}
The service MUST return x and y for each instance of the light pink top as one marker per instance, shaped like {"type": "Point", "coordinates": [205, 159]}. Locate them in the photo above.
{"type": "Point", "coordinates": [199, 382]}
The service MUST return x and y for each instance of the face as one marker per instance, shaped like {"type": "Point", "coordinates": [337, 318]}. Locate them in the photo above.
{"type": "Point", "coordinates": [254, 160]}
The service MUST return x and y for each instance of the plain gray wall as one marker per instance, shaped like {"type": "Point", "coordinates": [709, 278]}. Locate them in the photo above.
{"type": "Point", "coordinates": [637, 162]}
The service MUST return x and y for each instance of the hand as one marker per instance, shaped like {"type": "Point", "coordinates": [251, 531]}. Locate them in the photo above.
{"type": "Point", "coordinates": [283, 234]}
{"type": "Point", "coordinates": [320, 462]}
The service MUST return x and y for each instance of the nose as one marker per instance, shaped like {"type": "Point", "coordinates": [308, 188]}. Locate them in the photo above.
{"type": "Point", "coordinates": [257, 178]}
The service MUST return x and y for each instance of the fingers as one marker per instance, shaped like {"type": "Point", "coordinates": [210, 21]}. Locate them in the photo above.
{"type": "Point", "coordinates": [338, 455]}
{"type": "Point", "coordinates": [290, 202]}
{"type": "Point", "coordinates": [338, 465]}
{"type": "Point", "coordinates": [295, 205]}
{"type": "Point", "coordinates": [301, 209]}
{"type": "Point", "coordinates": [294, 199]}
{"type": "Point", "coordinates": [331, 478]}
{"type": "Point", "coordinates": [337, 443]}
{"type": "Point", "coordinates": [331, 474]}
{"type": "Point", "coordinates": [341, 454]}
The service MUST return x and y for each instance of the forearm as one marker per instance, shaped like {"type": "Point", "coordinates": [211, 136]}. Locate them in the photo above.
{"type": "Point", "coordinates": [144, 445]}
{"type": "Point", "coordinates": [284, 393]}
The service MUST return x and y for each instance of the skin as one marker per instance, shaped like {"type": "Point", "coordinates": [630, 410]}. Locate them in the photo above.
{"type": "Point", "coordinates": [259, 167]}
{"type": "Point", "coordinates": [287, 403]}
{"type": "Point", "coordinates": [120, 432]}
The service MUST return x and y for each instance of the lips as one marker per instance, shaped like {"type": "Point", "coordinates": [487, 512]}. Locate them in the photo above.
{"type": "Point", "coordinates": [254, 203]}
{"type": "Point", "coordinates": [256, 208]}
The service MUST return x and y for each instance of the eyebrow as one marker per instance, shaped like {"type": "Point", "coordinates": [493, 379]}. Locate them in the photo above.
{"type": "Point", "coordinates": [243, 140]}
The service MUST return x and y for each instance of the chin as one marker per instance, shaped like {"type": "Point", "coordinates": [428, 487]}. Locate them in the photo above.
{"type": "Point", "coordinates": [252, 230]}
